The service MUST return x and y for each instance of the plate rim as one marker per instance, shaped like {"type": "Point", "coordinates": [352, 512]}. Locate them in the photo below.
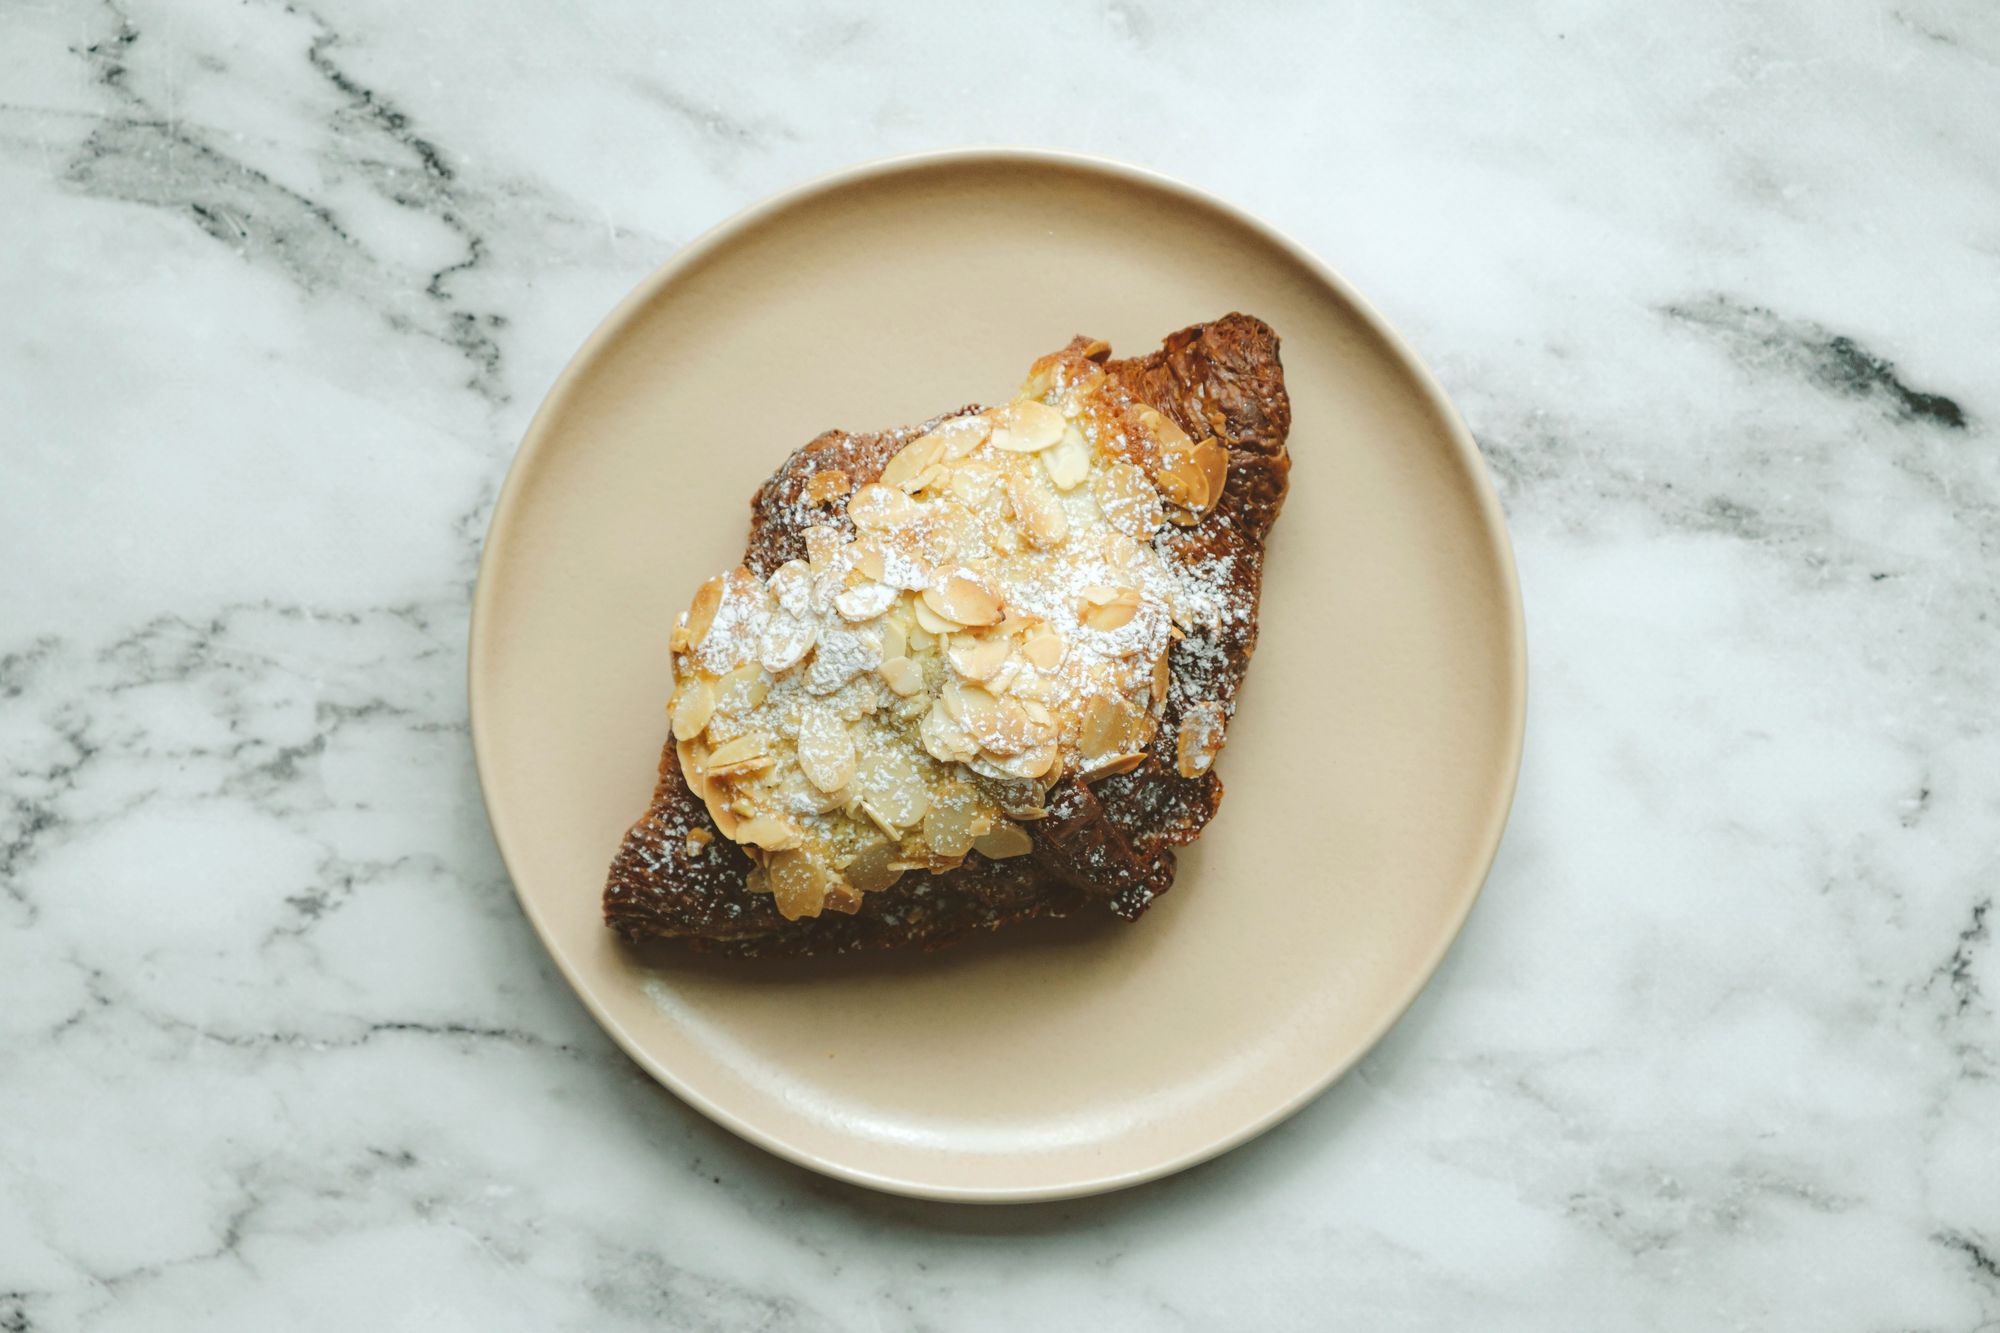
{"type": "Point", "coordinates": [700, 248]}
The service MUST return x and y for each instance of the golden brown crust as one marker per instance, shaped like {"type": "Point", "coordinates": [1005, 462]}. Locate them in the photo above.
{"type": "Point", "coordinates": [1110, 843]}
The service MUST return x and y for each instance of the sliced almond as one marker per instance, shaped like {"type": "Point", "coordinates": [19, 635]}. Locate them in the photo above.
{"type": "Point", "coordinates": [823, 543]}
{"type": "Point", "coordinates": [1213, 460]}
{"type": "Point", "coordinates": [865, 601]}
{"type": "Point", "coordinates": [1128, 501]}
{"type": "Point", "coordinates": [1004, 840]}
{"type": "Point", "coordinates": [1068, 460]}
{"type": "Point", "coordinates": [748, 753]}
{"type": "Point", "coordinates": [742, 690]}
{"type": "Point", "coordinates": [1038, 714]}
{"type": "Point", "coordinates": [961, 435]}
{"type": "Point", "coordinates": [678, 640]}
{"type": "Point", "coordinates": [1108, 608]}
{"type": "Point", "coordinates": [877, 508]}
{"type": "Point", "coordinates": [976, 658]}
{"type": "Point", "coordinates": [1162, 678]}
{"type": "Point", "coordinates": [930, 622]}
{"type": "Point", "coordinates": [902, 675]}
{"type": "Point", "coordinates": [1204, 727]}
{"type": "Point", "coordinates": [769, 832]}
{"type": "Point", "coordinates": [1037, 510]}
{"type": "Point", "coordinates": [798, 883]}
{"type": "Point", "coordinates": [1099, 732]}
{"type": "Point", "coordinates": [826, 750]}
{"type": "Point", "coordinates": [870, 870]}
{"type": "Point", "coordinates": [973, 481]}
{"type": "Point", "coordinates": [895, 638]}
{"type": "Point", "coordinates": [826, 487]}
{"type": "Point", "coordinates": [692, 707]}
{"type": "Point", "coordinates": [1112, 767]}
{"type": "Point", "coordinates": [1026, 426]}
{"type": "Point", "coordinates": [841, 897]}
{"type": "Point", "coordinates": [892, 787]}
{"type": "Point", "coordinates": [697, 840]}
{"type": "Point", "coordinates": [701, 615]}
{"type": "Point", "coordinates": [791, 585]}
{"type": "Point", "coordinates": [1166, 433]}
{"type": "Point", "coordinates": [943, 739]}
{"type": "Point", "coordinates": [962, 598]}
{"type": "Point", "coordinates": [787, 639]}
{"type": "Point", "coordinates": [912, 461]}
{"type": "Point", "coordinates": [1044, 649]}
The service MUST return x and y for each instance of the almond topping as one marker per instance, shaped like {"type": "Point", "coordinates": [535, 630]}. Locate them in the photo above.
{"type": "Point", "coordinates": [786, 640]}
{"type": "Point", "coordinates": [692, 708]}
{"type": "Point", "coordinates": [912, 461]}
{"type": "Point", "coordinates": [960, 597]}
{"type": "Point", "coordinates": [876, 507]}
{"type": "Point", "coordinates": [1026, 426]}
{"type": "Point", "coordinates": [865, 601]}
{"type": "Point", "coordinates": [798, 883]}
{"type": "Point", "coordinates": [977, 659]}
{"type": "Point", "coordinates": [826, 751]}
{"type": "Point", "coordinates": [902, 675]}
{"type": "Point", "coordinates": [769, 832]}
{"type": "Point", "coordinates": [1128, 501]}
{"type": "Point", "coordinates": [1004, 840]}
{"type": "Point", "coordinates": [748, 753]}
{"type": "Point", "coordinates": [961, 435]}
{"type": "Point", "coordinates": [826, 487]}
{"type": "Point", "coordinates": [1203, 729]}
{"type": "Point", "coordinates": [1044, 649]}
{"type": "Point", "coordinates": [701, 614]}
{"type": "Point", "coordinates": [1068, 462]}
{"type": "Point", "coordinates": [1037, 510]}
{"type": "Point", "coordinates": [1108, 608]}
{"type": "Point", "coordinates": [1112, 767]}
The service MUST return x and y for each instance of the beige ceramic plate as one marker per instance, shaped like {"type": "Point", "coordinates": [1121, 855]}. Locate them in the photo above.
{"type": "Point", "coordinates": [1369, 770]}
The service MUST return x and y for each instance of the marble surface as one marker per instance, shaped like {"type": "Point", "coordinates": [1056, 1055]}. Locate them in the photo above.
{"type": "Point", "coordinates": [1716, 287]}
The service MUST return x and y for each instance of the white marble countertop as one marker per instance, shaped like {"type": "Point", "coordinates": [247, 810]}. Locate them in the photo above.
{"type": "Point", "coordinates": [1718, 290]}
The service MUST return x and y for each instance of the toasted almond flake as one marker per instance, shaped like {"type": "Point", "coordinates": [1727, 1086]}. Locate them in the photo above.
{"type": "Point", "coordinates": [943, 739]}
{"type": "Point", "coordinates": [871, 869]}
{"type": "Point", "coordinates": [1162, 678]}
{"type": "Point", "coordinates": [748, 753]}
{"type": "Point", "coordinates": [798, 883]}
{"type": "Point", "coordinates": [961, 598]}
{"type": "Point", "coordinates": [1204, 728]}
{"type": "Point", "coordinates": [865, 601]}
{"type": "Point", "coordinates": [1026, 426]}
{"type": "Point", "coordinates": [973, 481]}
{"type": "Point", "coordinates": [1029, 684]}
{"type": "Point", "coordinates": [1213, 460]}
{"type": "Point", "coordinates": [826, 751]}
{"type": "Point", "coordinates": [961, 435]}
{"type": "Point", "coordinates": [1108, 608]}
{"type": "Point", "coordinates": [701, 614]}
{"type": "Point", "coordinates": [842, 898]}
{"type": "Point", "coordinates": [1044, 649]}
{"type": "Point", "coordinates": [930, 622]}
{"type": "Point", "coordinates": [911, 461]}
{"type": "Point", "coordinates": [769, 832]}
{"type": "Point", "coordinates": [1037, 510]}
{"type": "Point", "coordinates": [1004, 840]}
{"type": "Point", "coordinates": [742, 690]}
{"type": "Point", "coordinates": [876, 508]}
{"type": "Point", "coordinates": [698, 840]}
{"type": "Point", "coordinates": [826, 487]}
{"type": "Point", "coordinates": [1038, 714]}
{"type": "Point", "coordinates": [823, 542]}
{"type": "Point", "coordinates": [787, 639]}
{"type": "Point", "coordinates": [678, 640]}
{"type": "Point", "coordinates": [976, 658]}
{"type": "Point", "coordinates": [692, 707]}
{"type": "Point", "coordinates": [1166, 433]}
{"type": "Point", "coordinates": [1098, 733]}
{"type": "Point", "coordinates": [791, 585]}
{"type": "Point", "coordinates": [1128, 501]}
{"type": "Point", "coordinates": [902, 675]}
{"type": "Point", "coordinates": [1068, 460]}
{"type": "Point", "coordinates": [1113, 766]}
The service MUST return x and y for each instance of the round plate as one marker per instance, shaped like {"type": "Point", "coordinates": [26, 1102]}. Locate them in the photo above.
{"type": "Point", "coordinates": [1369, 768]}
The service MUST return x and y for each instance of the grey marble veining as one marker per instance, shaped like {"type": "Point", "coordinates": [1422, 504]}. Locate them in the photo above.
{"type": "Point", "coordinates": [1716, 287]}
